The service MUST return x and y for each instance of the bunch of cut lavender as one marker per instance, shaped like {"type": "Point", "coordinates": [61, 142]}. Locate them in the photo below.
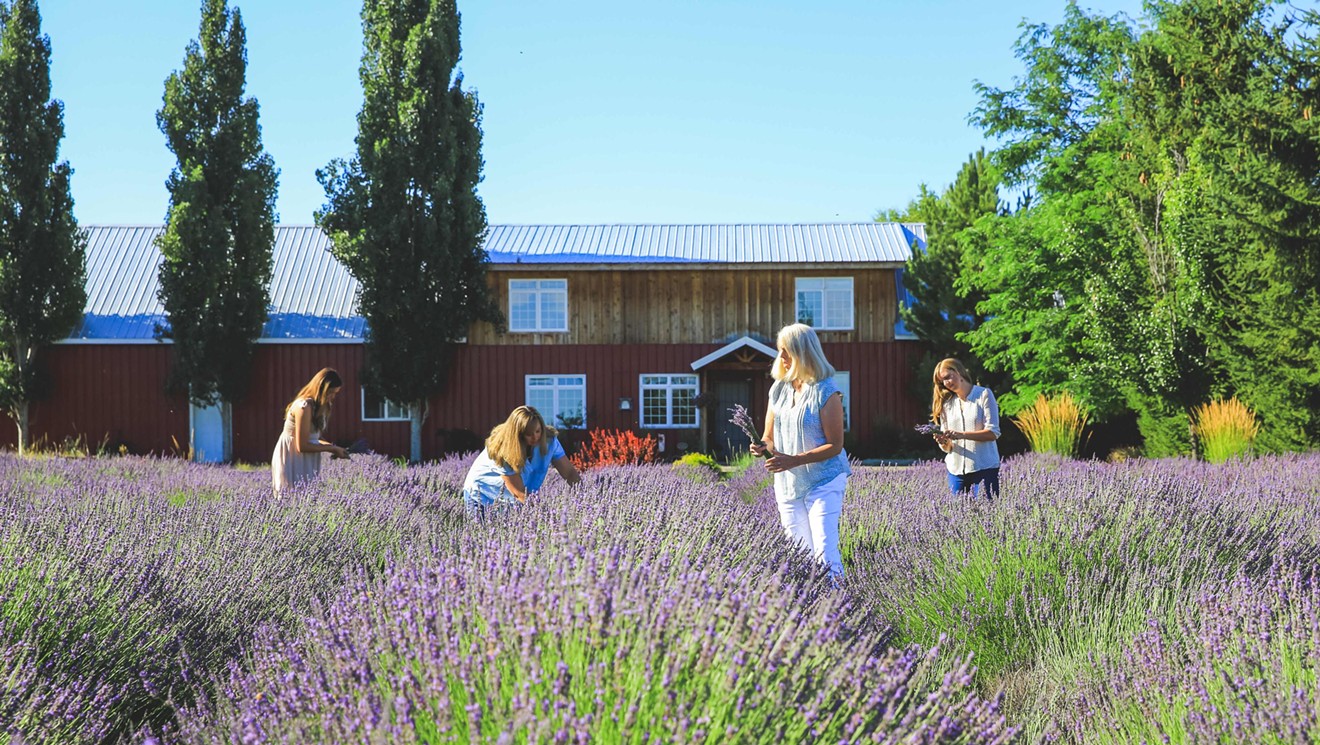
{"type": "Point", "coordinates": [930, 428]}
{"type": "Point", "coordinates": [743, 419]}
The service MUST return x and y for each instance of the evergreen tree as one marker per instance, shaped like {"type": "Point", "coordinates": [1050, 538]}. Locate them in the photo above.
{"type": "Point", "coordinates": [941, 313]}
{"type": "Point", "coordinates": [42, 252]}
{"type": "Point", "coordinates": [220, 230]}
{"type": "Point", "coordinates": [404, 215]}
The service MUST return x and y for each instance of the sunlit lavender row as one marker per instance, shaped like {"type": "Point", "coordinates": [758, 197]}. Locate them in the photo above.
{"type": "Point", "coordinates": [1089, 603]}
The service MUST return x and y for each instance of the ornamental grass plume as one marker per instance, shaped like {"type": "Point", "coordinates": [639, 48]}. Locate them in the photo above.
{"type": "Point", "coordinates": [1225, 429]}
{"type": "Point", "coordinates": [1053, 425]}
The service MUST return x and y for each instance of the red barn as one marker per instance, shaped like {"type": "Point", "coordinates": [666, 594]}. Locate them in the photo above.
{"type": "Point", "coordinates": [609, 326]}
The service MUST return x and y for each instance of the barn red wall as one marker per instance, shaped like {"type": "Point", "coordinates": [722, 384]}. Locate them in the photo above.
{"type": "Point", "coordinates": [116, 392]}
{"type": "Point", "coordinates": [107, 393]}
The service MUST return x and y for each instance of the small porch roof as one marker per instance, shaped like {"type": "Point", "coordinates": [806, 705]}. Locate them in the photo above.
{"type": "Point", "coordinates": [732, 347]}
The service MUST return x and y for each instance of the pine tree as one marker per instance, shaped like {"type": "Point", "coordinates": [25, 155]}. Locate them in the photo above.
{"type": "Point", "coordinates": [404, 215]}
{"type": "Point", "coordinates": [943, 308]}
{"type": "Point", "coordinates": [217, 244]}
{"type": "Point", "coordinates": [42, 252]}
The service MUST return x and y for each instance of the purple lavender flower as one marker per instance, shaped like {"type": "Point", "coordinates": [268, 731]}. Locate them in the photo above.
{"type": "Point", "coordinates": [743, 419]}
{"type": "Point", "coordinates": [929, 428]}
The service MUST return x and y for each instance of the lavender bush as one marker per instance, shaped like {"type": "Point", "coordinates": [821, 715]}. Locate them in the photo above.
{"type": "Point", "coordinates": [123, 582]}
{"type": "Point", "coordinates": [1090, 603]}
{"type": "Point", "coordinates": [600, 615]}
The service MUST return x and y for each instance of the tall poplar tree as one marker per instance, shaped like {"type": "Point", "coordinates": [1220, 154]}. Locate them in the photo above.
{"type": "Point", "coordinates": [403, 214]}
{"type": "Point", "coordinates": [218, 239]}
{"type": "Point", "coordinates": [42, 252]}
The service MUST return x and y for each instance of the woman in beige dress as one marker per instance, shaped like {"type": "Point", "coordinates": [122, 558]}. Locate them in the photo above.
{"type": "Point", "coordinates": [297, 455]}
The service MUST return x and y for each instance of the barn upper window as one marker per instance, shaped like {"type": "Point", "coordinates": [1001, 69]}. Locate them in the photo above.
{"type": "Point", "coordinates": [825, 302]}
{"type": "Point", "coordinates": [538, 305]}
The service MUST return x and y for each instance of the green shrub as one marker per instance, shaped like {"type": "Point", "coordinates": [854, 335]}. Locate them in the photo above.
{"type": "Point", "coordinates": [698, 467]}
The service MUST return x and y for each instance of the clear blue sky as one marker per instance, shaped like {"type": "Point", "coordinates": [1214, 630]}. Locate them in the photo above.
{"type": "Point", "coordinates": [596, 111]}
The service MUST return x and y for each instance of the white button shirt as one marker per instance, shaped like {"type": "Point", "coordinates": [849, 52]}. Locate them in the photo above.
{"type": "Point", "coordinates": [979, 411]}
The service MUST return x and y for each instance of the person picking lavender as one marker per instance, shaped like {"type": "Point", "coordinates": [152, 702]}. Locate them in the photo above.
{"type": "Point", "coordinates": [804, 438]}
{"type": "Point", "coordinates": [297, 454]}
{"type": "Point", "coordinates": [966, 422]}
{"type": "Point", "coordinates": [517, 457]}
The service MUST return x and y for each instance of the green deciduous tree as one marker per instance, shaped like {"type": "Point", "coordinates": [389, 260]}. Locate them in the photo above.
{"type": "Point", "coordinates": [403, 214]}
{"type": "Point", "coordinates": [1177, 202]}
{"type": "Point", "coordinates": [220, 230]}
{"type": "Point", "coordinates": [42, 252]}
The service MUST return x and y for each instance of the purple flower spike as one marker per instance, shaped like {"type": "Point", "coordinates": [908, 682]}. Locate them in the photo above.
{"type": "Point", "coordinates": [743, 419]}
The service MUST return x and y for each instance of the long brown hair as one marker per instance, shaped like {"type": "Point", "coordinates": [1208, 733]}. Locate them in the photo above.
{"type": "Point", "coordinates": [505, 444]}
{"type": "Point", "coordinates": [318, 390]}
{"type": "Point", "coordinates": [941, 393]}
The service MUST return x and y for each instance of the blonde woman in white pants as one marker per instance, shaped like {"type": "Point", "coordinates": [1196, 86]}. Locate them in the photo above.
{"type": "Point", "coordinates": [804, 436]}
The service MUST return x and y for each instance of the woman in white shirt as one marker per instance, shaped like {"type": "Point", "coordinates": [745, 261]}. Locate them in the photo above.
{"type": "Point", "coordinates": [968, 417]}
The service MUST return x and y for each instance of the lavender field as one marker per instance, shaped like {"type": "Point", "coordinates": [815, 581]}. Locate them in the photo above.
{"type": "Point", "coordinates": [1156, 601]}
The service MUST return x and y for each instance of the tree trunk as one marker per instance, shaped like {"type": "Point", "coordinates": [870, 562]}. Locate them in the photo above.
{"type": "Point", "coordinates": [24, 433]}
{"type": "Point", "coordinates": [417, 412]}
{"type": "Point", "coordinates": [227, 432]}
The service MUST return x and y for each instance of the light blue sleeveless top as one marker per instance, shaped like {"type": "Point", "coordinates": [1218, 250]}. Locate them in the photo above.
{"type": "Point", "coordinates": [797, 430]}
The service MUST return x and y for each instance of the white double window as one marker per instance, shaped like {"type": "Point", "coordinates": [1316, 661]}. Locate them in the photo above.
{"type": "Point", "coordinates": [667, 401]}
{"type": "Point", "coordinates": [561, 399]}
{"type": "Point", "coordinates": [538, 305]}
{"type": "Point", "coordinates": [377, 408]}
{"type": "Point", "coordinates": [825, 303]}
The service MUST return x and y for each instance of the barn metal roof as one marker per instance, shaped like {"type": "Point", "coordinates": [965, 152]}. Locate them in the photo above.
{"type": "Point", "coordinates": [313, 296]}
{"type": "Point", "coordinates": [866, 242]}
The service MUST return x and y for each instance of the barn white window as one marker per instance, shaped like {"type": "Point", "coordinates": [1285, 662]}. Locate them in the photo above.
{"type": "Point", "coordinates": [561, 399]}
{"type": "Point", "coordinates": [667, 401]}
{"type": "Point", "coordinates": [844, 381]}
{"type": "Point", "coordinates": [825, 303]}
{"type": "Point", "coordinates": [538, 305]}
{"type": "Point", "coordinates": [377, 408]}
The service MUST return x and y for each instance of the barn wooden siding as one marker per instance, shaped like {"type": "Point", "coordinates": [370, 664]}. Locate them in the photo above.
{"type": "Point", "coordinates": [679, 306]}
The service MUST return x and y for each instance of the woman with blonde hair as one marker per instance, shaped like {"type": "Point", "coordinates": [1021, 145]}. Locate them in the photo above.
{"type": "Point", "coordinates": [968, 418]}
{"type": "Point", "coordinates": [297, 455]}
{"type": "Point", "coordinates": [804, 437]}
{"type": "Point", "coordinates": [515, 461]}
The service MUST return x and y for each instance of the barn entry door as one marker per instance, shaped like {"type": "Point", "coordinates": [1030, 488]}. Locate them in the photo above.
{"type": "Point", "coordinates": [206, 432]}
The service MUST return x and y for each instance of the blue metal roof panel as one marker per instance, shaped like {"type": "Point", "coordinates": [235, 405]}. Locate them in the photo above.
{"type": "Point", "coordinates": [312, 295]}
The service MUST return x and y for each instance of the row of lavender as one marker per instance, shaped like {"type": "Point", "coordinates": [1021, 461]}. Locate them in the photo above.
{"type": "Point", "coordinates": [1099, 603]}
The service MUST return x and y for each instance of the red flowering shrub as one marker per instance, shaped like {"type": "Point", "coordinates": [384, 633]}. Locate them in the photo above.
{"type": "Point", "coordinates": [609, 447]}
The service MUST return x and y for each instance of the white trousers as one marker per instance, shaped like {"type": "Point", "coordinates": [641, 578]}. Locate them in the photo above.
{"type": "Point", "coordinates": [812, 522]}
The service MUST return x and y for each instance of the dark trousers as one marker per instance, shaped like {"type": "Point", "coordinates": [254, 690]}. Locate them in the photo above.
{"type": "Point", "coordinates": [966, 483]}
